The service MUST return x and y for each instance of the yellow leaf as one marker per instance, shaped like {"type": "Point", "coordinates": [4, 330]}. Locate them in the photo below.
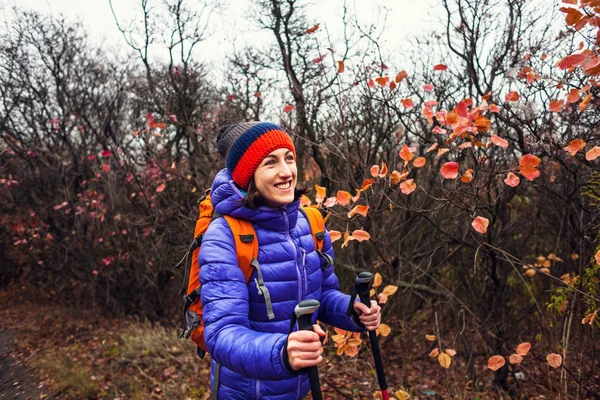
{"type": "Point", "coordinates": [384, 330]}
{"type": "Point", "coordinates": [382, 298]}
{"type": "Point", "coordinates": [589, 319]}
{"type": "Point", "coordinates": [372, 293]}
{"type": "Point", "coordinates": [390, 290]}
{"type": "Point", "coordinates": [355, 342]}
{"type": "Point", "coordinates": [431, 338]}
{"type": "Point", "coordinates": [338, 338]}
{"type": "Point", "coordinates": [444, 360]}
{"type": "Point", "coordinates": [402, 395]}
{"type": "Point", "coordinates": [451, 352]}
{"type": "Point", "coordinates": [377, 280]}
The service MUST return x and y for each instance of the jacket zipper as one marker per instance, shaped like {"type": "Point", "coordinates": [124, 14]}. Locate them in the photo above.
{"type": "Point", "coordinates": [299, 274]}
{"type": "Point", "coordinates": [289, 239]}
{"type": "Point", "coordinates": [304, 269]}
{"type": "Point", "coordinates": [257, 389]}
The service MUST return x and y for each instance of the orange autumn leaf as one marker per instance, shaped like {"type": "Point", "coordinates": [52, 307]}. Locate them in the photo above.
{"type": "Point", "coordinates": [383, 171]}
{"type": "Point", "coordinates": [529, 160]}
{"type": "Point", "coordinates": [374, 170]}
{"type": "Point", "coordinates": [529, 172]}
{"type": "Point", "coordinates": [556, 105]}
{"type": "Point", "coordinates": [161, 188]}
{"type": "Point", "coordinates": [449, 170]}
{"type": "Point", "coordinates": [512, 96]}
{"type": "Point", "coordinates": [554, 360]}
{"type": "Point", "coordinates": [360, 209]}
{"type": "Point", "coordinates": [571, 60]}
{"type": "Point", "coordinates": [321, 193]}
{"type": "Point", "coordinates": [442, 151]}
{"type": "Point", "coordinates": [428, 87]}
{"type": "Point", "coordinates": [330, 202]}
{"type": "Point", "coordinates": [467, 176]}
{"type": "Point", "coordinates": [494, 108]}
{"type": "Point", "coordinates": [361, 235]}
{"type": "Point", "coordinates": [343, 198]}
{"type": "Point", "coordinates": [419, 162]}
{"type": "Point", "coordinates": [405, 153]}
{"type": "Point", "coordinates": [395, 177]}
{"type": "Point", "coordinates": [573, 96]}
{"type": "Point", "coordinates": [434, 352]}
{"type": "Point", "coordinates": [512, 180]}
{"type": "Point", "coordinates": [377, 280]}
{"type": "Point", "coordinates": [440, 67]}
{"type": "Point", "coordinates": [451, 352]}
{"type": "Point", "coordinates": [523, 348]}
{"type": "Point", "coordinates": [575, 146]}
{"type": "Point", "coordinates": [585, 102]}
{"type": "Point", "coordinates": [383, 80]}
{"type": "Point", "coordinates": [407, 103]}
{"type": "Point", "coordinates": [392, 85]}
{"type": "Point", "coordinates": [366, 184]}
{"type": "Point", "coordinates": [482, 124]}
{"type": "Point", "coordinates": [313, 29]}
{"type": "Point", "coordinates": [498, 141]}
{"type": "Point", "coordinates": [340, 67]}
{"type": "Point", "coordinates": [515, 359]}
{"type": "Point", "coordinates": [432, 147]}
{"type": "Point", "coordinates": [401, 76]}
{"type": "Point", "coordinates": [480, 224]}
{"type": "Point", "coordinates": [335, 236]}
{"type": "Point", "coordinates": [597, 257]}
{"type": "Point", "coordinates": [430, 338]}
{"type": "Point", "coordinates": [305, 201]}
{"type": "Point", "coordinates": [408, 186]}
{"type": "Point", "coordinates": [589, 319]}
{"type": "Point", "coordinates": [593, 153]}
{"type": "Point", "coordinates": [288, 108]}
{"type": "Point", "coordinates": [357, 196]}
{"type": "Point", "coordinates": [496, 362]}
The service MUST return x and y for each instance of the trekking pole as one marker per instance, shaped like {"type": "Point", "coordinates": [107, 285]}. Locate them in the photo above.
{"type": "Point", "coordinates": [362, 288]}
{"type": "Point", "coordinates": [303, 313]}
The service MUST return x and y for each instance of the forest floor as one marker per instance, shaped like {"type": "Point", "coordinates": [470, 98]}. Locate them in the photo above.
{"type": "Point", "coordinates": [52, 352]}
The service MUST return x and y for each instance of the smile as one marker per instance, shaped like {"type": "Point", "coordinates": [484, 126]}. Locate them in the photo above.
{"type": "Point", "coordinates": [284, 186]}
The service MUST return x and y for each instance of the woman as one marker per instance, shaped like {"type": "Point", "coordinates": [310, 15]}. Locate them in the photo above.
{"type": "Point", "coordinates": [253, 354]}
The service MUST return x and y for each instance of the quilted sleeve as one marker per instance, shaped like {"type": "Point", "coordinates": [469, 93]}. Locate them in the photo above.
{"type": "Point", "coordinates": [334, 303]}
{"type": "Point", "coordinates": [229, 339]}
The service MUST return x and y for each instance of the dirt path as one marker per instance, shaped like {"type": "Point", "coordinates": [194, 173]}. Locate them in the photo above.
{"type": "Point", "coordinates": [16, 381]}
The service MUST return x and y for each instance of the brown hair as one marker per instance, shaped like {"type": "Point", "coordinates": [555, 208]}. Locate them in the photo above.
{"type": "Point", "coordinates": [254, 199]}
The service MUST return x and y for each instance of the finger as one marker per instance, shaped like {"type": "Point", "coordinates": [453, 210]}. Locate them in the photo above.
{"type": "Point", "coordinates": [305, 336]}
{"type": "Point", "coordinates": [300, 364]}
{"type": "Point", "coordinates": [374, 307]}
{"type": "Point", "coordinates": [307, 355]}
{"type": "Point", "coordinates": [368, 318]}
{"type": "Point", "coordinates": [319, 331]}
{"type": "Point", "coordinates": [361, 308]}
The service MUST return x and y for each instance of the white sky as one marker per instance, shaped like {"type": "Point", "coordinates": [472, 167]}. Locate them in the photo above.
{"type": "Point", "coordinates": [405, 19]}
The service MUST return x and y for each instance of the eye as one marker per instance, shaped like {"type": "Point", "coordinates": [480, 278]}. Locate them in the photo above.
{"type": "Point", "coordinates": [290, 158]}
{"type": "Point", "coordinates": [269, 162]}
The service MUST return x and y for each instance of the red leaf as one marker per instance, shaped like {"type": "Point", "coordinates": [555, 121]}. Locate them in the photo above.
{"type": "Point", "coordinates": [161, 187]}
{"type": "Point", "coordinates": [106, 153]}
{"type": "Point", "coordinates": [383, 80]}
{"type": "Point", "coordinates": [575, 146]}
{"type": "Point", "coordinates": [407, 103]}
{"type": "Point", "coordinates": [288, 108]}
{"type": "Point", "coordinates": [572, 60]}
{"type": "Point", "coordinates": [449, 170]}
{"type": "Point", "coordinates": [313, 29]}
{"type": "Point", "coordinates": [401, 76]}
{"type": "Point", "coordinates": [340, 67]}
{"type": "Point", "coordinates": [319, 59]}
{"type": "Point", "coordinates": [173, 118]}
{"type": "Point", "coordinates": [556, 105]}
{"type": "Point", "coordinates": [371, 83]}
{"type": "Point", "coordinates": [512, 96]}
{"type": "Point", "coordinates": [573, 96]}
{"type": "Point", "coordinates": [440, 67]}
{"type": "Point", "coordinates": [428, 87]}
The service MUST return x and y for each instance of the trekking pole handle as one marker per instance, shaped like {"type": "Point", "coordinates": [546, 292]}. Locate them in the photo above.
{"type": "Point", "coordinates": [304, 311]}
{"type": "Point", "coordinates": [363, 283]}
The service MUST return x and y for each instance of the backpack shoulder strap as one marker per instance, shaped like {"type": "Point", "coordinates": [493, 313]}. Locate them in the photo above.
{"type": "Point", "coordinates": [317, 228]}
{"type": "Point", "coordinates": [246, 244]}
{"type": "Point", "coordinates": [317, 225]}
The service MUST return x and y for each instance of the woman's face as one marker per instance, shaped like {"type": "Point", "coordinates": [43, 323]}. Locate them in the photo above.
{"type": "Point", "coordinates": [275, 178]}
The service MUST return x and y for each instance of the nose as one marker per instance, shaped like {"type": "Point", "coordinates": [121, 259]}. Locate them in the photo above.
{"type": "Point", "coordinates": [285, 170]}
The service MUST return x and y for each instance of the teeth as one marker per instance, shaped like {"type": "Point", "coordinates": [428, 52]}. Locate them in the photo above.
{"type": "Point", "coordinates": [284, 185]}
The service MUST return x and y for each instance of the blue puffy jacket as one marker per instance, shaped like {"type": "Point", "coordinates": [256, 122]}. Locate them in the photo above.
{"type": "Point", "coordinates": [238, 332]}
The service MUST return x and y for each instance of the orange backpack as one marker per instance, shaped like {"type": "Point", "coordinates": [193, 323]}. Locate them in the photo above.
{"type": "Point", "coordinates": [246, 247]}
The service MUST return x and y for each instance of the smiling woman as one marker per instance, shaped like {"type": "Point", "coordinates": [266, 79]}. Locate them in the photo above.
{"type": "Point", "coordinates": [247, 321]}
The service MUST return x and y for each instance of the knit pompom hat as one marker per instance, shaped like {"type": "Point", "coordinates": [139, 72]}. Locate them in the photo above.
{"type": "Point", "coordinates": [244, 145]}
